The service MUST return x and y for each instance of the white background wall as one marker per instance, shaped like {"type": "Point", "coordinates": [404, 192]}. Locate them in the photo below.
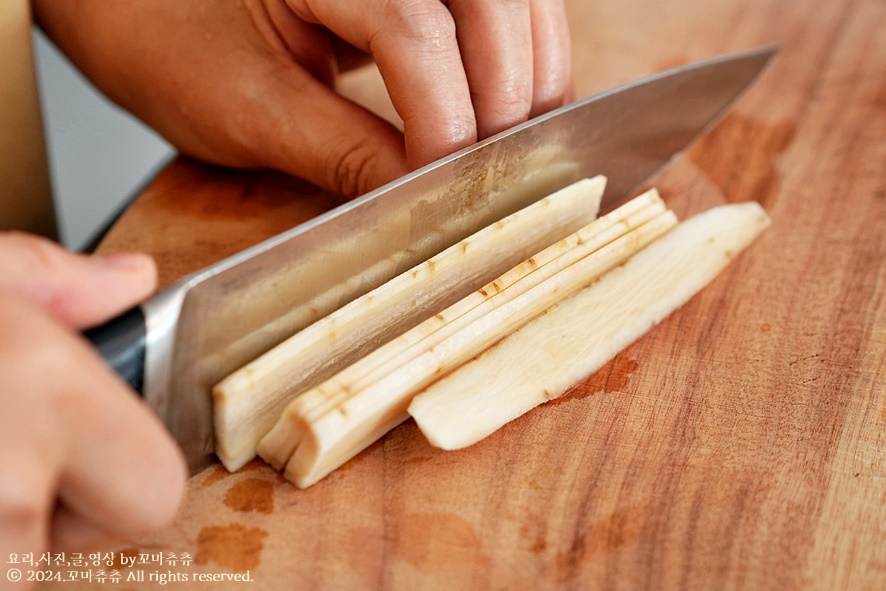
{"type": "Point", "coordinates": [99, 155]}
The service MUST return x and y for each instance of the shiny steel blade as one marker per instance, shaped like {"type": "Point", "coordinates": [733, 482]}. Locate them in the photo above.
{"type": "Point", "coordinates": [216, 320]}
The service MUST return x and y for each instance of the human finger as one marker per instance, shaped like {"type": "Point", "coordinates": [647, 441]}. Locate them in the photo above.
{"type": "Point", "coordinates": [76, 435]}
{"type": "Point", "coordinates": [415, 46]}
{"type": "Point", "coordinates": [252, 92]}
{"type": "Point", "coordinates": [78, 290]}
{"type": "Point", "coordinates": [338, 145]}
{"type": "Point", "coordinates": [496, 42]}
{"type": "Point", "coordinates": [304, 127]}
{"type": "Point", "coordinates": [26, 483]}
{"type": "Point", "coordinates": [70, 532]}
{"type": "Point", "coordinates": [551, 48]}
{"type": "Point", "coordinates": [122, 478]}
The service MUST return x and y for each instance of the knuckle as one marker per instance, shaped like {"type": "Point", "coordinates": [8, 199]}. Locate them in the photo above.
{"type": "Point", "coordinates": [36, 354]}
{"type": "Point", "coordinates": [153, 513]}
{"type": "Point", "coordinates": [160, 500]}
{"type": "Point", "coordinates": [22, 506]}
{"type": "Point", "coordinates": [514, 102]}
{"type": "Point", "coordinates": [353, 167]}
{"type": "Point", "coordinates": [39, 254]}
{"type": "Point", "coordinates": [503, 109]}
{"type": "Point", "coordinates": [514, 5]}
{"type": "Point", "coordinates": [551, 89]}
{"type": "Point", "coordinates": [427, 21]}
{"type": "Point", "coordinates": [151, 517]}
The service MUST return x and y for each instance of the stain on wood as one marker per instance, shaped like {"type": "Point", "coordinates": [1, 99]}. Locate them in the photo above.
{"type": "Point", "coordinates": [235, 547]}
{"type": "Point", "coordinates": [210, 476]}
{"type": "Point", "coordinates": [437, 542]}
{"type": "Point", "coordinates": [611, 533]}
{"type": "Point", "coordinates": [251, 494]}
{"type": "Point", "coordinates": [612, 377]}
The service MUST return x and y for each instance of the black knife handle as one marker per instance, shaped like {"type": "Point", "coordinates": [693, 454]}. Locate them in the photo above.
{"type": "Point", "coordinates": [121, 341]}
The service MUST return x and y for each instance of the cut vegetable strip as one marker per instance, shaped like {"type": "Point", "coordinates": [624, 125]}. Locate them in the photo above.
{"type": "Point", "coordinates": [518, 280]}
{"type": "Point", "coordinates": [338, 419]}
{"type": "Point", "coordinates": [247, 403]}
{"type": "Point", "coordinates": [580, 334]}
{"type": "Point", "coordinates": [280, 443]}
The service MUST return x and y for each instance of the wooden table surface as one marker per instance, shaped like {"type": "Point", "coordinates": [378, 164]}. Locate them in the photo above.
{"type": "Point", "coordinates": [740, 445]}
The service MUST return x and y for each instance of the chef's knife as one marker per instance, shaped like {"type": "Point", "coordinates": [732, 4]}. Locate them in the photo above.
{"type": "Point", "coordinates": [187, 337]}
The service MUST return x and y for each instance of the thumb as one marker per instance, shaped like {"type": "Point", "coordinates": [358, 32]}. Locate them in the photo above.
{"type": "Point", "coordinates": [76, 289]}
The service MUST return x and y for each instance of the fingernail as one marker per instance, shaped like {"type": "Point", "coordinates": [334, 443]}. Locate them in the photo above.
{"type": "Point", "coordinates": [124, 261]}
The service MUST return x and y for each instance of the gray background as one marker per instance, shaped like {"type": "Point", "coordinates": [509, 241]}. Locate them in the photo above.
{"type": "Point", "coordinates": [99, 155]}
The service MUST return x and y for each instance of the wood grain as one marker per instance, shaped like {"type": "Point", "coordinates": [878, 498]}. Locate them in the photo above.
{"type": "Point", "coordinates": [739, 445]}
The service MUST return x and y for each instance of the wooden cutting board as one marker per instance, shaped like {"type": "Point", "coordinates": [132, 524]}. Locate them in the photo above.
{"type": "Point", "coordinates": [739, 445]}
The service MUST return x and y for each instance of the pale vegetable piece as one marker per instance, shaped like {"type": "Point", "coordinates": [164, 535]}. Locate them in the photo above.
{"type": "Point", "coordinates": [579, 335]}
{"type": "Point", "coordinates": [516, 281]}
{"type": "Point", "coordinates": [332, 423]}
{"type": "Point", "coordinates": [279, 444]}
{"type": "Point", "coordinates": [247, 403]}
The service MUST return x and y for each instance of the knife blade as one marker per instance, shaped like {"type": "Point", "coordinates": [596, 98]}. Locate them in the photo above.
{"type": "Point", "coordinates": [182, 341]}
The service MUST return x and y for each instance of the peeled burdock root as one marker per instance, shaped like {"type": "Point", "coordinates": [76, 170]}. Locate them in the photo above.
{"type": "Point", "coordinates": [329, 424]}
{"type": "Point", "coordinates": [320, 398]}
{"type": "Point", "coordinates": [556, 351]}
{"type": "Point", "coordinates": [250, 401]}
